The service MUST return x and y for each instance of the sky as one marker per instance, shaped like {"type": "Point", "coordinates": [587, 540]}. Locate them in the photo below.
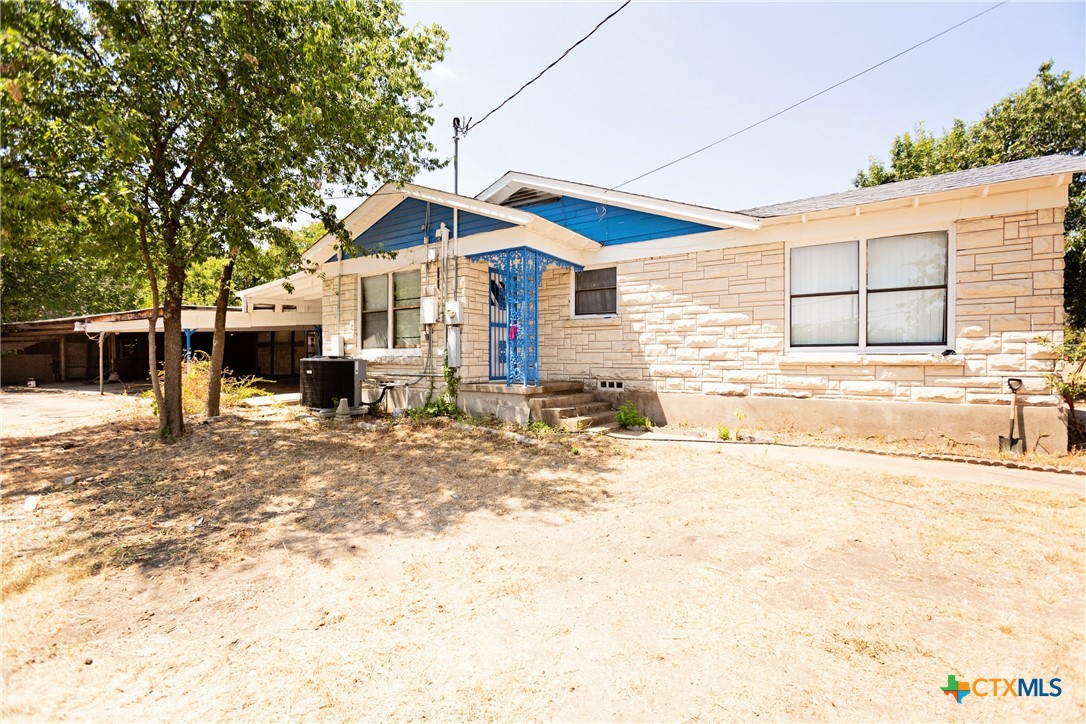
{"type": "Point", "coordinates": [662, 79]}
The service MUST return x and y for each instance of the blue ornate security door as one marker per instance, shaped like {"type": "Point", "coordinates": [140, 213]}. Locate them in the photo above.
{"type": "Point", "coordinates": [519, 271]}
{"type": "Point", "coordinates": [499, 327]}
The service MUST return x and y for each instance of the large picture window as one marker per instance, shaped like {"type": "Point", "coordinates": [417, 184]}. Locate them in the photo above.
{"type": "Point", "coordinates": [595, 291]}
{"type": "Point", "coordinates": [879, 292]}
{"type": "Point", "coordinates": [390, 310]}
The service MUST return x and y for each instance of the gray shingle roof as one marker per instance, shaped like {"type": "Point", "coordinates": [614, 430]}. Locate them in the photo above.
{"type": "Point", "coordinates": [1013, 171]}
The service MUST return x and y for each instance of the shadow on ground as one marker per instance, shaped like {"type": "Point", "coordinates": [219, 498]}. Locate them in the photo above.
{"type": "Point", "coordinates": [236, 485]}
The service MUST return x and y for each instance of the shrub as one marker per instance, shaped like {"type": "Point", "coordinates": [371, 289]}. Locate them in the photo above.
{"type": "Point", "coordinates": [723, 432]}
{"type": "Point", "coordinates": [441, 407]}
{"type": "Point", "coordinates": [739, 417]}
{"type": "Point", "coordinates": [629, 416]}
{"type": "Point", "coordinates": [1070, 381]}
{"type": "Point", "coordinates": [539, 426]}
{"type": "Point", "coordinates": [195, 378]}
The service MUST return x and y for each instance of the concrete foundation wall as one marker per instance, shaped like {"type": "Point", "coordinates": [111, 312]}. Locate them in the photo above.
{"type": "Point", "coordinates": [1042, 428]}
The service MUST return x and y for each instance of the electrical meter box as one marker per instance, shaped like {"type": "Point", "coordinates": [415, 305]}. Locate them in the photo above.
{"type": "Point", "coordinates": [454, 312]}
{"type": "Point", "coordinates": [428, 310]}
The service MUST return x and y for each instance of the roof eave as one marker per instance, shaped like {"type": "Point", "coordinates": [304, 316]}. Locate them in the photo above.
{"type": "Point", "coordinates": [511, 181]}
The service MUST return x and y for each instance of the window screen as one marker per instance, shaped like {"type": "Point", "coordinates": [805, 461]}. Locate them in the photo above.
{"type": "Point", "coordinates": [825, 303]}
{"type": "Point", "coordinates": [595, 292]}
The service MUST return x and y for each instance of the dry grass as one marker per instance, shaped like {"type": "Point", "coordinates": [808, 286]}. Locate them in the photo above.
{"type": "Point", "coordinates": [1038, 455]}
{"type": "Point", "coordinates": [428, 572]}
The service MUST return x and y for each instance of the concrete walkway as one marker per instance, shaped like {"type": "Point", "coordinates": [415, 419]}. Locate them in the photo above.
{"type": "Point", "coordinates": [930, 469]}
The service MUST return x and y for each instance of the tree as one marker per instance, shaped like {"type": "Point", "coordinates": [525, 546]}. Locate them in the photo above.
{"type": "Point", "coordinates": [1046, 117]}
{"type": "Point", "coordinates": [43, 288]}
{"type": "Point", "coordinates": [279, 259]}
{"type": "Point", "coordinates": [254, 266]}
{"type": "Point", "coordinates": [195, 130]}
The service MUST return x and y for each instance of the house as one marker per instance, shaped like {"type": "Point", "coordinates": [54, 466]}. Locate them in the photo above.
{"type": "Point", "coordinates": [900, 309]}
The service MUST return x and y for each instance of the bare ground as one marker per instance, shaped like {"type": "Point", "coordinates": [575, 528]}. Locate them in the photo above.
{"type": "Point", "coordinates": [264, 569]}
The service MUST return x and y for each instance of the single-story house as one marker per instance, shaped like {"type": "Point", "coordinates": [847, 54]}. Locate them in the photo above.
{"type": "Point", "coordinates": [901, 309]}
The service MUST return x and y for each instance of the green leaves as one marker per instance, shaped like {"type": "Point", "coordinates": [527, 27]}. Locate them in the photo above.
{"type": "Point", "coordinates": [1046, 117]}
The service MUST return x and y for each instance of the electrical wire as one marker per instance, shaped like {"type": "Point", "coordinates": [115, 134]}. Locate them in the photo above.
{"type": "Point", "coordinates": [556, 62]}
{"type": "Point", "coordinates": [810, 97]}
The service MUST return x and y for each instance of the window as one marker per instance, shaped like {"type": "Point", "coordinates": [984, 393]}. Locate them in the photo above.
{"type": "Point", "coordinates": [407, 289]}
{"type": "Point", "coordinates": [900, 301]}
{"type": "Point", "coordinates": [906, 289]}
{"type": "Point", "coordinates": [595, 292]}
{"type": "Point", "coordinates": [392, 316]}
{"type": "Point", "coordinates": [825, 294]}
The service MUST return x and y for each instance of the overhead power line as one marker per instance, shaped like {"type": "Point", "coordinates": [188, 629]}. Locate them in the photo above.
{"type": "Point", "coordinates": [556, 62]}
{"type": "Point", "coordinates": [810, 97]}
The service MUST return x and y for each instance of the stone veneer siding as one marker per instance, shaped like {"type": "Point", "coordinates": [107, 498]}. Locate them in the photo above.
{"type": "Point", "coordinates": [474, 288]}
{"type": "Point", "coordinates": [712, 322]}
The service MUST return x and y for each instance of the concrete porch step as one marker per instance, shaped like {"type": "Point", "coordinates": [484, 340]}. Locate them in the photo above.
{"type": "Point", "coordinates": [591, 422]}
{"type": "Point", "coordinates": [568, 400]}
{"type": "Point", "coordinates": [554, 415]}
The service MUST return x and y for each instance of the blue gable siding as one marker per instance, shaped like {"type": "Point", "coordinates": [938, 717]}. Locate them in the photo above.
{"type": "Point", "coordinates": [613, 224]}
{"type": "Point", "coordinates": [402, 227]}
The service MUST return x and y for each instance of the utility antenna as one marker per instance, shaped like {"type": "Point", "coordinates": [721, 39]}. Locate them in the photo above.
{"type": "Point", "coordinates": [459, 131]}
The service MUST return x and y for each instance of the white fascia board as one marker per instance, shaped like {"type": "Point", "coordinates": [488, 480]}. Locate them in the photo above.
{"type": "Point", "coordinates": [203, 320]}
{"type": "Point", "coordinates": [361, 218]}
{"type": "Point", "coordinates": [505, 186]}
{"type": "Point", "coordinates": [475, 244]}
{"type": "Point", "coordinates": [470, 205]}
{"type": "Point", "coordinates": [297, 280]}
{"type": "Point", "coordinates": [563, 236]}
{"type": "Point", "coordinates": [1002, 198]}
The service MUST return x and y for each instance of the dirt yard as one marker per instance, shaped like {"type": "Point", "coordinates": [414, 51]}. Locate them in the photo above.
{"type": "Point", "coordinates": [271, 570]}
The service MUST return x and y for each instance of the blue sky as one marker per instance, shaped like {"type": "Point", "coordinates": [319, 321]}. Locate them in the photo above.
{"type": "Point", "coordinates": [662, 79]}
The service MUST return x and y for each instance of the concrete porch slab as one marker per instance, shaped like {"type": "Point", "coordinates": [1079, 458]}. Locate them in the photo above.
{"type": "Point", "coordinates": [285, 398]}
{"type": "Point", "coordinates": [543, 388]}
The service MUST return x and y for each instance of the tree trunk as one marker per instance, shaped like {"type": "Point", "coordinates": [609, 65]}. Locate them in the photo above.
{"type": "Point", "coordinates": [152, 327]}
{"type": "Point", "coordinates": [174, 352]}
{"type": "Point", "coordinates": [218, 344]}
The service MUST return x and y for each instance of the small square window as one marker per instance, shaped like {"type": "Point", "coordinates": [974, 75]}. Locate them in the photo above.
{"type": "Point", "coordinates": [595, 291]}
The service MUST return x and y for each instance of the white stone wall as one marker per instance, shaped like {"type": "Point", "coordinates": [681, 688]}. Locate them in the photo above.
{"type": "Point", "coordinates": [712, 322]}
{"type": "Point", "coordinates": [342, 291]}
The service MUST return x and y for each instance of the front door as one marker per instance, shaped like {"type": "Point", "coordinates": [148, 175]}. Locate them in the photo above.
{"type": "Point", "coordinates": [499, 327]}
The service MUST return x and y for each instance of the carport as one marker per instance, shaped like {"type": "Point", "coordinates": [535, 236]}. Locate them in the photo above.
{"type": "Point", "coordinates": [112, 347]}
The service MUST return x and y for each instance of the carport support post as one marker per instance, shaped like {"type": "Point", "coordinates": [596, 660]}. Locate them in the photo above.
{"type": "Point", "coordinates": [188, 344]}
{"type": "Point", "coordinates": [101, 364]}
